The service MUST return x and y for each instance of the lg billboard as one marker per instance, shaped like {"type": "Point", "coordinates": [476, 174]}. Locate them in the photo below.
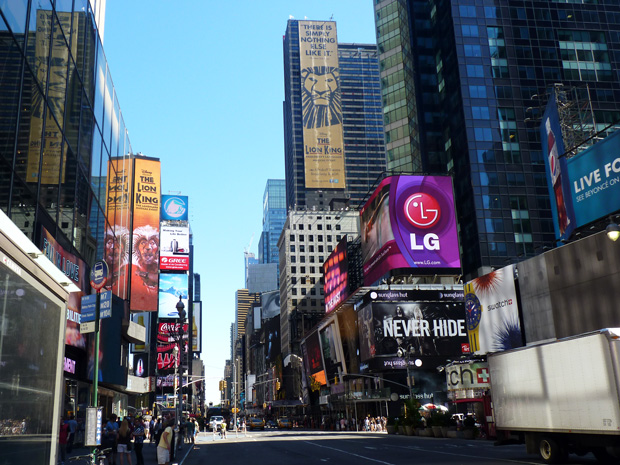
{"type": "Point", "coordinates": [409, 222]}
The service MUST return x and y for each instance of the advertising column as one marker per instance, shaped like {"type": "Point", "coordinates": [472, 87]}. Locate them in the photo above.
{"type": "Point", "coordinates": [321, 105]}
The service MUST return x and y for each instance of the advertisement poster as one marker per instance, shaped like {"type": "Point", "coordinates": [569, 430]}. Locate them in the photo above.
{"type": "Point", "coordinates": [77, 271]}
{"type": "Point", "coordinates": [270, 304]}
{"type": "Point", "coordinates": [423, 329]}
{"type": "Point", "coordinates": [167, 336]}
{"type": "Point", "coordinates": [174, 208]}
{"type": "Point", "coordinates": [595, 180]}
{"type": "Point", "coordinates": [321, 102]}
{"type": "Point", "coordinates": [272, 338]}
{"type": "Point", "coordinates": [492, 313]}
{"type": "Point", "coordinates": [197, 328]}
{"type": "Point", "coordinates": [331, 346]}
{"type": "Point", "coordinates": [556, 168]}
{"type": "Point", "coordinates": [313, 359]}
{"type": "Point", "coordinates": [336, 275]}
{"type": "Point", "coordinates": [145, 259]}
{"type": "Point", "coordinates": [110, 347]}
{"type": "Point", "coordinates": [54, 152]}
{"type": "Point", "coordinates": [118, 212]}
{"type": "Point", "coordinates": [409, 222]}
{"type": "Point", "coordinates": [171, 287]}
{"type": "Point", "coordinates": [174, 248]}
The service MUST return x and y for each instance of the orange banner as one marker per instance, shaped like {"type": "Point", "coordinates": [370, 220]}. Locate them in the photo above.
{"type": "Point", "coordinates": [145, 245]}
{"type": "Point", "coordinates": [118, 212]}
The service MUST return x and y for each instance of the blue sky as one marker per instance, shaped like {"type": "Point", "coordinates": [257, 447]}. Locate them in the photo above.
{"type": "Point", "coordinates": [200, 86]}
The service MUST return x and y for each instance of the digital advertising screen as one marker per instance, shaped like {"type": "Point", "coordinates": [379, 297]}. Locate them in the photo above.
{"type": "Point", "coordinates": [167, 336]}
{"type": "Point", "coordinates": [171, 287]}
{"type": "Point", "coordinates": [427, 331]}
{"type": "Point", "coordinates": [409, 222]}
{"type": "Point", "coordinates": [336, 276]}
{"type": "Point", "coordinates": [174, 208]}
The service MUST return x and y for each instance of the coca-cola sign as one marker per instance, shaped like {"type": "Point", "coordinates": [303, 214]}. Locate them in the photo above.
{"type": "Point", "coordinates": [168, 335]}
{"type": "Point", "coordinates": [174, 263]}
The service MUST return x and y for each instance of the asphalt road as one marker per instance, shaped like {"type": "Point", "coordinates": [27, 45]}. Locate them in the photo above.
{"type": "Point", "coordinates": [295, 447]}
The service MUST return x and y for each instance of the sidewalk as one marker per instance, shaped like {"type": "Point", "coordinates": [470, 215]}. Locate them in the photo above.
{"type": "Point", "coordinates": [149, 452]}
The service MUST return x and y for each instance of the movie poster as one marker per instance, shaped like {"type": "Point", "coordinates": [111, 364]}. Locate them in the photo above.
{"type": "Point", "coordinates": [145, 251]}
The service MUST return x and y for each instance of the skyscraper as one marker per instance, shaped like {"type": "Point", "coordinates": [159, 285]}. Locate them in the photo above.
{"type": "Point", "coordinates": [333, 129]}
{"type": "Point", "coordinates": [274, 216]}
{"type": "Point", "coordinates": [472, 107]}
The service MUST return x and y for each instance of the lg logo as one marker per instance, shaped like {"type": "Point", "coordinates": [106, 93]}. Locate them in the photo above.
{"type": "Point", "coordinates": [423, 211]}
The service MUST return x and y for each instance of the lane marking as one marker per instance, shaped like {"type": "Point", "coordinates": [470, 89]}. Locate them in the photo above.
{"type": "Point", "coordinates": [349, 453]}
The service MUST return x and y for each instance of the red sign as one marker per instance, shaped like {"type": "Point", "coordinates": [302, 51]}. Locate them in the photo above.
{"type": "Point", "coordinates": [174, 263]}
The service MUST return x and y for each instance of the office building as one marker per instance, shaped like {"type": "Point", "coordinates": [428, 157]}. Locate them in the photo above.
{"type": "Point", "coordinates": [334, 152]}
{"type": "Point", "coordinates": [243, 304]}
{"type": "Point", "coordinates": [274, 215]}
{"type": "Point", "coordinates": [262, 277]}
{"type": "Point", "coordinates": [60, 128]}
{"type": "Point", "coordinates": [472, 107]}
{"type": "Point", "coordinates": [306, 241]}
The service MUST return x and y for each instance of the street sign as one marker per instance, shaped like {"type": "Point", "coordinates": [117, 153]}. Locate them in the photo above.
{"type": "Point", "coordinates": [99, 275]}
{"type": "Point", "coordinates": [88, 327]}
{"type": "Point", "coordinates": [89, 302]}
{"type": "Point", "coordinates": [94, 420]}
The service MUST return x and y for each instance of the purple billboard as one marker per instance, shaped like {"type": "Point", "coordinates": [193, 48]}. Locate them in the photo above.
{"type": "Point", "coordinates": [409, 222]}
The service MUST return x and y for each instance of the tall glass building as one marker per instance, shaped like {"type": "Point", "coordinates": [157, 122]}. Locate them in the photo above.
{"type": "Point", "coordinates": [364, 147]}
{"type": "Point", "coordinates": [478, 74]}
{"type": "Point", "coordinates": [274, 216]}
{"type": "Point", "coordinates": [60, 124]}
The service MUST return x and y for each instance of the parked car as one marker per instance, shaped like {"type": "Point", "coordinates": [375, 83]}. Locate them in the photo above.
{"type": "Point", "coordinates": [216, 422]}
{"type": "Point", "coordinates": [255, 423]}
{"type": "Point", "coordinates": [284, 422]}
{"type": "Point", "coordinates": [271, 424]}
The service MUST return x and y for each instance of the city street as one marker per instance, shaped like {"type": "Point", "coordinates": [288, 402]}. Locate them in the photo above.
{"type": "Point", "coordinates": [311, 447]}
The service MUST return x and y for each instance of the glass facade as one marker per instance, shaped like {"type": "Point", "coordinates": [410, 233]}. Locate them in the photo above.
{"type": "Point", "coordinates": [483, 72]}
{"type": "Point", "coordinates": [362, 125]}
{"type": "Point", "coordinates": [60, 122]}
{"type": "Point", "coordinates": [30, 374]}
{"type": "Point", "coordinates": [274, 216]}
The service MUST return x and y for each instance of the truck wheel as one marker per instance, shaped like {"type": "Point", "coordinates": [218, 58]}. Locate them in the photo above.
{"type": "Point", "coordinates": [551, 451]}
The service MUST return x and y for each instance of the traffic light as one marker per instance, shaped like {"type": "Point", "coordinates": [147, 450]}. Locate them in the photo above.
{"type": "Point", "coordinates": [277, 385]}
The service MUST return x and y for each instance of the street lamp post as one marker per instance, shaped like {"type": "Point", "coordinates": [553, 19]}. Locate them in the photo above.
{"type": "Point", "coordinates": [181, 311]}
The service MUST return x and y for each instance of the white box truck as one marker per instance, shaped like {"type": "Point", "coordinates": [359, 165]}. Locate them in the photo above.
{"type": "Point", "coordinates": [561, 397]}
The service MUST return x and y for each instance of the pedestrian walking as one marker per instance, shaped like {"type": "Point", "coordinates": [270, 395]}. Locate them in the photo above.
{"type": "Point", "coordinates": [157, 430]}
{"type": "Point", "coordinates": [72, 430]}
{"type": "Point", "coordinates": [62, 440]}
{"type": "Point", "coordinates": [124, 443]}
{"type": "Point", "coordinates": [164, 447]}
{"type": "Point", "coordinates": [110, 436]}
{"type": "Point", "coordinates": [139, 433]}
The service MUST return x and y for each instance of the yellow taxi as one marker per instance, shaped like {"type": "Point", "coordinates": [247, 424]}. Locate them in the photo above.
{"type": "Point", "coordinates": [255, 423]}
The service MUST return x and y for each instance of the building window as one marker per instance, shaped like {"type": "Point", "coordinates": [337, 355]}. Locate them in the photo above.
{"type": "Point", "coordinates": [291, 248]}
{"type": "Point", "coordinates": [329, 238]}
{"type": "Point", "coordinates": [467, 11]}
{"type": "Point", "coordinates": [293, 269]}
{"type": "Point", "coordinates": [310, 238]}
{"type": "Point", "coordinates": [469, 30]}
{"type": "Point", "coordinates": [477, 91]}
{"type": "Point", "coordinates": [480, 112]}
{"type": "Point", "coordinates": [473, 50]}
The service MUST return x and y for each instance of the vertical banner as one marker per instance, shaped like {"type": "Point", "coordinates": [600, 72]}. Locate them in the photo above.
{"type": "Point", "coordinates": [321, 105]}
{"type": "Point", "coordinates": [197, 327]}
{"type": "Point", "coordinates": [145, 251]}
{"type": "Point", "coordinates": [557, 171]}
{"type": "Point", "coordinates": [76, 271]}
{"type": "Point", "coordinates": [492, 312]}
{"type": "Point", "coordinates": [54, 153]}
{"type": "Point", "coordinates": [118, 213]}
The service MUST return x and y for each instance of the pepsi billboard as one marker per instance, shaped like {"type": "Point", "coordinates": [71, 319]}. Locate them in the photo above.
{"type": "Point", "coordinates": [409, 222]}
{"type": "Point", "coordinates": [174, 208]}
{"type": "Point", "coordinates": [556, 169]}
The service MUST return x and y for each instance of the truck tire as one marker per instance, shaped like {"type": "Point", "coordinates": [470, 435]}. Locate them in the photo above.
{"type": "Point", "coordinates": [551, 451]}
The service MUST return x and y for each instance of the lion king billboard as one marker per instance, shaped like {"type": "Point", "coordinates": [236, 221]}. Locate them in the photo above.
{"type": "Point", "coordinates": [321, 105]}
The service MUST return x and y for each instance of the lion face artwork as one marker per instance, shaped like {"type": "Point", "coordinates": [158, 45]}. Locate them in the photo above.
{"type": "Point", "coordinates": [321, 100]}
